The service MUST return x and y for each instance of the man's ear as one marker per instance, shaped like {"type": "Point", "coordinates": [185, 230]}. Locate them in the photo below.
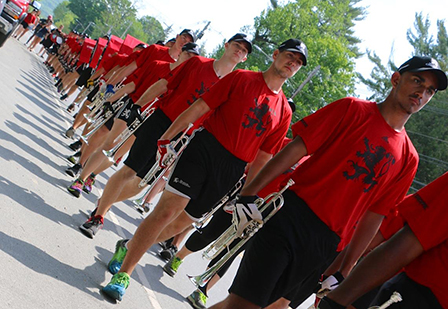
{"type": "Point", "coordinates": [244, 59]}
{"type": "Point", "coordinates": [275, 54]}
{"type": "Point", "coordinates": [395, 79]}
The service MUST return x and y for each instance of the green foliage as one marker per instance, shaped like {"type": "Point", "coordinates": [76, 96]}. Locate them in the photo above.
{"type": "Point", "coordinates": [63, 16]}
{"type": "Point", "coordinates": [427, 129]}
{"type": "Point", "coordinates": [326, 27]}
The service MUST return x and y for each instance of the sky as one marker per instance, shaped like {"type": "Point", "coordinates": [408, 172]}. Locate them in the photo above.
{"type": "Point", "coordinates": [383, 29]}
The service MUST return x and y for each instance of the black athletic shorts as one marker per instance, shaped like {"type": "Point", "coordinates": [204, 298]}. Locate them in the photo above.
{"type": "Point", "coordinates": [142, 155]}
{"type": "Point", "coordinates": [415, 296]}
{"type": "Point", "coordinates": [205, 172]}
{"type": "Point", "coordinates": [84, 76]}
{"type": "Point", "coordinates": [287, 256]}
{"type": "Point", "coordinates": [124, 115]}
{"type": "Point", "coordinates": [93, 93]}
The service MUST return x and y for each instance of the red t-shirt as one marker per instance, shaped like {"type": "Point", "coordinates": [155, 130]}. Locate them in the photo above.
{"type": "Point", "coordinates": [110, 62]}
{"type": "Point", "coordinates": [186, 84]}
{"type": "Point", "coordinates": [30, 19]}
{"type": "Point", "coordinates": [247, 115]}
{"type": "Point", "coordinates": [426, 214]}
{"type": "Point", "coordinates": [146, 57]}
{"type": "Point", "coordinates": [154, 72]}
{"type": "Point", "coordinates": [358, 163]}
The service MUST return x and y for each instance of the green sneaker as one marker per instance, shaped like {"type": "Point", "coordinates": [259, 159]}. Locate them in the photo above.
{"type": "Point", "coordinates": [197, 299]}
{"type": "Point", "coordinates": [116, 261]}
{"type": "Point", "coordinates": [117, 286]}
{"type": "Point", "coordinates": [172, 266]}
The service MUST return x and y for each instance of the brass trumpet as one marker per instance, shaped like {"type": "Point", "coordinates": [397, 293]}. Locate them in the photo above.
{"type": "Point", "coordinates": [226, 198]}
{"type": "Point", "coordinates": [100, 121]}
{"type": "Point", "coordinates": [128, 131]}
{"type": "Point", "coordinates": [156, 172]}
{"type": "Point", "coordinates": [394, 298]}
{"type": "Point", "coordinates": [275, 200]}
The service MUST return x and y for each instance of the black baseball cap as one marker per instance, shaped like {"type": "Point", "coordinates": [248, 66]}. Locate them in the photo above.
{"type": "Point", "coordinates": [141, 45]}
{"type": "Point", "coordinates": [190, 33]}
{"type": "Point", "coordinates": [420, 64]}
{"type": "Point", "coordinates": [241, 37]}
{"type": "Point", "coordinates": [295, 46]}
{"type": "Point", "coordinates": [171, 40]}
{"type": "Point", "coordinates": [191, 48]}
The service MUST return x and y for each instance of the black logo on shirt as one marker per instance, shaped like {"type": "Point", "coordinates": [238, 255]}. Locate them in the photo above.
{"type": "Point", "coordinates": [260, 117]}
{"type": "Point", "coordinates": [376, 164]}
{"type": "Point", "coordinates": [199, 92]}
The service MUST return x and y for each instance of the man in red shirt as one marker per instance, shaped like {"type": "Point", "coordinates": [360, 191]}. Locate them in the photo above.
{"type": "Point", "coordinates": [419, 247]}
{"type": "Point", "coordinates": [361, 164]}
{"type": "Point", "coordinates": [93, 159]}
{"type": "Point", "coordinates": [249, 117]}
{"type": "Point", "coordinates": [185, 83]}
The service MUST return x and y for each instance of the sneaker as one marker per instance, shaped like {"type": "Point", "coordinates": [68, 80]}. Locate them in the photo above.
{"type": "Point", "coordinates": [75, 146]}
{"type": "Point", "coordinates": [77, 154]}
{"type": "Point", "coordinates": [172, 266]}
{"type": "Point", "coordinates": [63, 97]}
{"type": "Point", "coordinates": [117, 286]}
{"type": "Point", "coordinates": [166, 244]}
{"type": "Point", "coordinates": [118, 258]}
{"type": "Point", "coordinates": [72, 159]}
{"type": "Point", "coordinates": [197, 299]}
{"type": "Point", "coordinates": [76, 187]}
{"type": "Point", "coordinates": [74, 170]}
{"type": "Point", "coordinates": [60, 87]}
{"type": "Point", "coordinates": [70, 132]}
{"type": "Point", "coordinates": [71, 107]}
{"type": "Point", "coordinates": [88, 184]}
{"type": "Point", "coordinates": [92, 226]}
{"type": "Point", "coordinates": [169, 253]}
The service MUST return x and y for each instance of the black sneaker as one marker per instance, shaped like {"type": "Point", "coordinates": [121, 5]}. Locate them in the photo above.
{"type": "Point", "coordinates": [92, 226]}
{"type": "Point", "coordinates": [70, 132]}
{"type": "Point", "coordinates": [71, 107]}
{"type": "Point", "coordinates": [74, 170]}
{"type": "Point", "coordinates": [168, 254]}
{"type": "Point", "coordinates": [166, 244]}
{"type": "Point", "coordinates": [63, 97]}
{"type": "Point", "coordinates": [75, 146]}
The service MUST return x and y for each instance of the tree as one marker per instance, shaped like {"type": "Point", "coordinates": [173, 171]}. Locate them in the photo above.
{"type": "Point", "coordinates": [87, 10]}
{"type": "Point", "coordinates": [63, 16]}
{"type": "Point", "coordinates": [153, 29]}
{"type": "Point", "coordinates": [326, 27]}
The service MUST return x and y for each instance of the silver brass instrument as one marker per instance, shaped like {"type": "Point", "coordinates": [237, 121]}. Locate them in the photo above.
{"type": "Point", "coordinates": [275, 200]}
{"type": "Point", "coordinates": [98, 101]}
{"type": "Point", "coordinates": [156, 172]}
{"type": "Point", "coordinates": [100, 121]}
{"type": "Point", "coordinates": [394, 298]}
{"type": "Point", "coordinates": [128, 131]}
{"type": "Point", "coordinates": [226, 198]}
{"type": "Point", "coordinates": [140, 200]}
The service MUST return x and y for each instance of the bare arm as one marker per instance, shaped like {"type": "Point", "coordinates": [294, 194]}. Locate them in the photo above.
{"type": "Point", "coordinates": [190, 115]}
{"type": "Point", "coordinates": [366, 230]}
{"type": "Point", "coordinates": [260, 160]}
{"type": "Point", "coordinates": [97, 74]}
{"type": "Point", "coordinates": [286, 158]}
{"type": "Point", "coordinates": [156, 89]}
{"type": "Point", "coordinates": [381, 264]}
{"type": "Point", "coordinates": [123, 72]}
{"type": "Point", "coordinates": [129, 88]}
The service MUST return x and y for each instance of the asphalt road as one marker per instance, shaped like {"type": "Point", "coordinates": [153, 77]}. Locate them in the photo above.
{"type": "Point", "coordinates": [45, 261]}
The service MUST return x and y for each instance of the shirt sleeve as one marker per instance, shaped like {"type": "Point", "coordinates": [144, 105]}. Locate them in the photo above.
{"type": "Point", "coordinates": [426, 213]}
{"type": "Point", "coordinates": [176, 76]}
{"type": "Point", "coordinates": [316, 128]}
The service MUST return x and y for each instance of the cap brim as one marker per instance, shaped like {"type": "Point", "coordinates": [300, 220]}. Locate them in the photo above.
{"type": "Point", "coordinates": [295, 50]}
{"type": "Point", "coordinates": [441, 77]}
{"type": "Point", "coordinates": [248, 44]}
